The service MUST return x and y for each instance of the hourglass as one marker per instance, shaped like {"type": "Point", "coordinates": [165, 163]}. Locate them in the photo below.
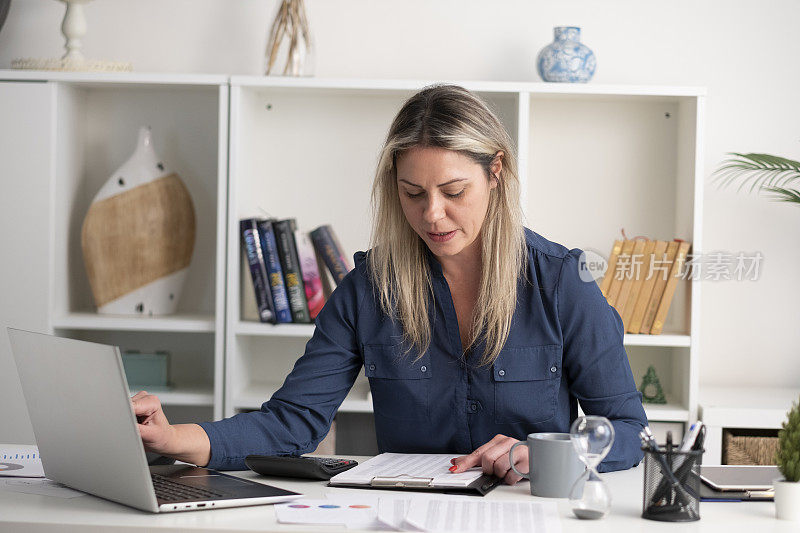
{"type": "Point", "coordinates": [592, 437]}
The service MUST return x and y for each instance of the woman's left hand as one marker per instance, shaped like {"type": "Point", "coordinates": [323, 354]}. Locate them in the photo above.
{"type": "Point", "coordinates": [492, 457]}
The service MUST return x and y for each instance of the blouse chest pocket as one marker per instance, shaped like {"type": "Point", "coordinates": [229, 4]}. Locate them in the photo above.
{"type": "Point", "coordinates": [400, 386]}
{"type": "Point", "coordinates": [526, 381]}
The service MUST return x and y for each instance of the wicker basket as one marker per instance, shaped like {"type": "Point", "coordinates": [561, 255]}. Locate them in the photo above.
{"type": "Point", "coordinates": [741, 447]}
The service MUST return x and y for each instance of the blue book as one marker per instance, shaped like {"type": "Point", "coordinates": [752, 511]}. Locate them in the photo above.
{"type": "Point", "coordinates": [287, 252]}
{"type": "Point", "coordinates": [274, 271]}
{"type": "Point", "coordinates": [327, 245]}
{"type": "Point", "coordinates": [258, 270]}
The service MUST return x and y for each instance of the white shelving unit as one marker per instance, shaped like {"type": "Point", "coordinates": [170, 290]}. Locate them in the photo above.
{"type": "Point", "coordinates": [592, 159]}
{"type": "Point", "coordinates": [306, 148]}
{"type": "Point", "coordinates": [93, 129]}
{"type": "Point", "coordinates": [758, 408]}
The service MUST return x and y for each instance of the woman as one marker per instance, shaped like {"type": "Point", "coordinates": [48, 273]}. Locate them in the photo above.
{"type": "Point", "coordinates": [473, 330]}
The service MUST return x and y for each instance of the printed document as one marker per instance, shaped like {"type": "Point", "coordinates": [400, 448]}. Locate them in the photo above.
{"type": "Point", "coordinates": [20, 460]}
{"type": "Point", "coordinates": [438, 515]}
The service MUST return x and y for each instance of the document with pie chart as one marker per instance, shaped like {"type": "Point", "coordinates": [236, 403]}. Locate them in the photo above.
{"type": "Point", "coordinates": [20, 460]}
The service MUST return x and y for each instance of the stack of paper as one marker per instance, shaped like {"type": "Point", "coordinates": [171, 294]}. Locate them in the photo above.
{"type": "Point", "coordinates": [437, 514]}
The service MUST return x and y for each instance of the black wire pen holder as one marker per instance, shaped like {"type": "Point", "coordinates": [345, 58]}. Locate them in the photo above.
{"type": "Point", "coordinates": [672, 485]}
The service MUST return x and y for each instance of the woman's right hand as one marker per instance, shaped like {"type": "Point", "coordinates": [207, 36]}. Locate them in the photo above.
{"type": "Point", "coordinates": [156, 432]}
{"type": "Point", "coordinates": [185, 442]}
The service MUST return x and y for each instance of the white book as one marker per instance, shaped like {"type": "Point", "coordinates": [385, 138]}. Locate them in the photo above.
{"type": "Point", "coordinates": [20, 460]}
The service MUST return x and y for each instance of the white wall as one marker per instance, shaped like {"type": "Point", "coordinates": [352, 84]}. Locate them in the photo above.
{"type": "Point", "coordinates": [744, 51]}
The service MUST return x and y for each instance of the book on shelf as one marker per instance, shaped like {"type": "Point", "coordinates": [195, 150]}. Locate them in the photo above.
{"type": "Point", "coordinates": [287, 251]}
{"type": "Point", "coordinates": [309, 269]}
{"type": "Point", "coordinates": [641, 262]}
{"type": "Point", "coordinates": [661, 272]}
{"type": "Point", "coordinates": [657, 252]}
{"type": "Point", "coordinates": [248, 307]}
{"type": "Point", "coordinates": [641, 280]}
{"type": "Point", "coordinates": [269, 248]}
{"type": "Point", "coordinates": [612, 266]}
{"type": "Point", "coordinates": [254, 256]}
{"type": "Point", "coordinates": [617, 279]}
{"type": "Point", "coordinates": [630, 274]}
{"type": "Point", "coordinates": [669, 289]}
{"type": "Point", "coordinates": [328, 246]}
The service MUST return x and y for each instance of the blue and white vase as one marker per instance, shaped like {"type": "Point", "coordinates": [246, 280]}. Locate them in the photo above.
{"type": "Point", "coordinates": [566, 60]}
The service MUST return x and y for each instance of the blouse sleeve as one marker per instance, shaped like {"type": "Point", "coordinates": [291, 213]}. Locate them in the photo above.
{"type": "Point", "coordinates": [597, 367]}
{"type": "Point", "coordinates": [299, 414]}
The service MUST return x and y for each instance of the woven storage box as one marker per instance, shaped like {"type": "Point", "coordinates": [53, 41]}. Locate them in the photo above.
{"type": "Point", "coordinates": [740, 447]}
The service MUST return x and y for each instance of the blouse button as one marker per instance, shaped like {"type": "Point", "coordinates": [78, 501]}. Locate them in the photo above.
{"type": "Point", "coordinates": [502, 373]}
{"type": "Point", "coordinates": [372, 367]}
{"type": "Point", "coordinates": [423, 368]}
{"type": "Point", "coordinates": [553, 369]}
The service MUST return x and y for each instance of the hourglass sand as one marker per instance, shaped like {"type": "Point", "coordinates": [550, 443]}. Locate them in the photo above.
{"type": "Point", "coordinates": [592, 437]}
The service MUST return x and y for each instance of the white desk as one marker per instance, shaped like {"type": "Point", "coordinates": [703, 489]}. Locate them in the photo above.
{"type": "Point", "coordinates": [27, 512]}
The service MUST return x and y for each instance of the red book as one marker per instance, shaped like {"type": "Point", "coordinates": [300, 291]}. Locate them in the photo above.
{"type": "Point", "coordinates": [310, 272]}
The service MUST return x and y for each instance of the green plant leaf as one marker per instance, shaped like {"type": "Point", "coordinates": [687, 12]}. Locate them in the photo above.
{"type": "Point", "coordinates": [765, 172]}
{"type": "Point", "coordinates": [788, 457]}
{"type": "Point", "coordinates": [784, 195]}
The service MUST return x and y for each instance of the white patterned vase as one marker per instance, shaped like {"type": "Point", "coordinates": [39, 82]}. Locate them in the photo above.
{"type": "Point", "coordinates": [138, 236]}
{"type": "Point", "coordinates": [566, 59]}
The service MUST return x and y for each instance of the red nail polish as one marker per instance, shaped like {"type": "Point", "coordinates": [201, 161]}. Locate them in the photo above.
{"type": "Point", "coordinates": [453, 468]}
{"type": "Point", "coordinates": [452, 461]}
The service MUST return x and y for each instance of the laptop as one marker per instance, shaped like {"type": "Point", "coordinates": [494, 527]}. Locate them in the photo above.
{"type": "Point", "coordinates": [85, 428]}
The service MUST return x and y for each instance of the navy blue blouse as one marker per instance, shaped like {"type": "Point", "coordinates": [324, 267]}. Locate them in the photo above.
{"type": "Point", "coordinates": [565, 347]}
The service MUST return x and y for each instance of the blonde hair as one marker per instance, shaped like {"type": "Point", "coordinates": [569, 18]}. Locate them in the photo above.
{"type": "Point", "coordinates": [450, 117]}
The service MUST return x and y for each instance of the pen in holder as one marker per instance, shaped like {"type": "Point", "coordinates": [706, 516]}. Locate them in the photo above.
{"type": "Point", "coordinates": [671, 485]}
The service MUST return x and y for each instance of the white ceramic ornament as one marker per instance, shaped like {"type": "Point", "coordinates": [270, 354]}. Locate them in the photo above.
{"type": "Point", "coordinates": [138, 236]}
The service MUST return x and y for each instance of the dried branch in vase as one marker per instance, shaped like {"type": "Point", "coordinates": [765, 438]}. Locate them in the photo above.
{"type": "Point", "coordinates": [290, 26]}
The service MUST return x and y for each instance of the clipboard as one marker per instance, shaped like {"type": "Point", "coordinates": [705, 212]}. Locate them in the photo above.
{"type": "Point", "coordinates": [480, 487]}
{"type": "Point", "coordinates": [415, 472]}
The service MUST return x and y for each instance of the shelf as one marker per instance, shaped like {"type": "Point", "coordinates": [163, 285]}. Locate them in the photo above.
{"type": "Point", "coordinates": [349, 84]}
{"type": "Point", "coordinates": [132, 78]}
{"type": "Point", "coordinates": [632, 339]}
{"type": "Point", "coordinates": [304, 331]}
{"type": "Point", "coordinates": [480, 86]}
{"type": "Point", "coordinates": [179, 323]}
{"type": "Point", "coordinates": [668, 412]}
{"type": "Point", "coordinates": [746, 407]}
{"type": "Point", "coordinates": [252, 398]}
{"type": "Point", "coordinates": [182, 395]}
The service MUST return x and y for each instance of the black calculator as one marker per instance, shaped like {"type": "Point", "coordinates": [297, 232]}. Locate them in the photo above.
{"type": "Point", "coordinates": [306, 467]}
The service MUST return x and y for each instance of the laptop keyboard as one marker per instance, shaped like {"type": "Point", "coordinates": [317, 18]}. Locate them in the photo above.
{"type": "Point", "coordinates": [173, 491]}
